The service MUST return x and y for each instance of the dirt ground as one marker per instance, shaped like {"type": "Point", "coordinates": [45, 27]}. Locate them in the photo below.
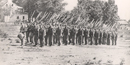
{"type": "Point", "coordinates": [14, 54]}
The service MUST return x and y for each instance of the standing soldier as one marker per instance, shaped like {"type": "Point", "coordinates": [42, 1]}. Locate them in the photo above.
{"type": "Point", "coordinates": [46, 37]}
{"type": "Point", "coordinates": [22, 33]}
{"type": "Point", "coordinates": [100, 37]}
{"type": "Point", "coordinates": [72, 36]}
{"type": "Point", "coordinates": [96, 37]}
{"type": "Point", "coordinates": [27, 32]}
{"type": "Point", "coordinates": [112, 38]}
{"type": "Point", "coordinates": [86, 36]}
{"type": "Point", "coordinates": [91, 36]}
{"type": "Point", "coordinates": [58, 33]}
{"type": "Point", "coordinates": [108, 38]}
{"type": "Point", "coordinates": [31, 33]}
{"type": "Point", "coordinates": [104, 37]}
{"type": "Point", "coordinates": [50, 34]}
{"type": "Point", "coordinates": [115, 36]}
{"type": "Point", "coordinates": [36, 33]}
{"type": "Point", "coordinates": [65, 35]}
{"type": "Point", "coordinates": [41, 35]}
{"type": "Point", "coordinates": [79, 36]}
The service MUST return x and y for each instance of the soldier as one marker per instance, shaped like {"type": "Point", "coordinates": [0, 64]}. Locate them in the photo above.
{"type": "Point", "coordinates": [96, 37]}
{"type": "Point", "coordinates": [72, 36]}
{"type": "Point", "coordinates": [86, 36]}
{"type": "Point", "coordinates": [27, 32]}
{"type": "Point", "coordinates": [58, 33]}
{"type": "Point", "coordinates": [41, 35]}
{"type": "Point", "coordinates": [112, 38]}
{"type": "Point", "coordinates": [46, 37]}
{"type": "Point", "coordinates": [31, 33]}
{"type": "Point", "coordinates": [104, 37]}
{"type": "Point", "coordinates": [36, 33]}
{"type": "Point", "coordinates": [21, 35]}
{"type": "Point", "coordinates": [100, 37]}
{"type": "Point", "coordinates": [79, 36]}
{"type": "Point", "coordinates": [65, 35]}
{"type": "Point", "coordinates": [50, 34]}
{"type": "Point", "coordinates": [115, 36]}
{"type": "Point", "coordinates": [108, 38]}
{"type": "Point", "coordinates": [91, 36]}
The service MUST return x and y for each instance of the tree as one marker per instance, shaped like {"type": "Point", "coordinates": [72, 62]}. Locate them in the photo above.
{"type": "Point", "coordinates": [54, 6]}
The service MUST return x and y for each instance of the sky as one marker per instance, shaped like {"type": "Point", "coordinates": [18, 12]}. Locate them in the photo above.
{"type": "Point", "coordinates": [123, 7]}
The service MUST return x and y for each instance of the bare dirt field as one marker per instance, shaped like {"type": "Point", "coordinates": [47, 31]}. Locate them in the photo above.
{"type": "Point", "coordinates": [14, 54]}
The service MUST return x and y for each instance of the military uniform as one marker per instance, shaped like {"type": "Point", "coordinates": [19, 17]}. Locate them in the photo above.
{"type": "Point", "coordinates": [115, 36]}
{"type": "Point", "coordinates": [46, 37]}
{"type": "Point", "coordinates": [50, 34]}
{"type": "Point", "coordinates": [72, 36]}
{"type": "Point", "coordinates": [86, 36]}
{"type": "Point", "coordinates": [31, 33]}
{"type": "Point", "coordinates": [27, 32]}
{"type": "Point", "coordinates": [58, 33]}
{"type": "Point", "coordinates": [108, 39]}
{"type": "Point", "coordinates": [100, 37]}
{"type": "Point", "coordinates": [41, 36]}
{"type": "Point", "coordinates": [79, 36]}
{"type": "Point", "coordinates": [104, 38]}
{"type": "Point", "coordinates": [96, 37]}
{"type": "Point", "coordinates": [112, 38]}
{"type": "Point", "coordinates": [36, 34]}
{"type": "Point", "coordinates": [91, 36]}
{"type": "Point", "coordinates": [65, 35]}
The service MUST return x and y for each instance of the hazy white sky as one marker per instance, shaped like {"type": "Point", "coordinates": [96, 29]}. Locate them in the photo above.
{"type": "Point", "coordinates": [123, 7]}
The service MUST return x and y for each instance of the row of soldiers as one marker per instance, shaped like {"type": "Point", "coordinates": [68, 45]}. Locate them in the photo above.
{"type": "Point", "coordinates": [48, 35]}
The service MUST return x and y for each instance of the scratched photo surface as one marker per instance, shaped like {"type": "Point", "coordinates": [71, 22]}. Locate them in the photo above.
{"type": "Point", "coordinates": [64, 32]}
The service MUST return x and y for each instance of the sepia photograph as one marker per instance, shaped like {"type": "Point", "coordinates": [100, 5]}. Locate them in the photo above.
{"type": "Point", "coordinates": [64, 32]}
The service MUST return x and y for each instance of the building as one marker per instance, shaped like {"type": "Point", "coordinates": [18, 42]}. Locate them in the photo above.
{"type": "Point", "coordinates": [12, 12]}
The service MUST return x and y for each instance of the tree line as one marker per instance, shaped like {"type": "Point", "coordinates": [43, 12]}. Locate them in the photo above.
{"type": "Point", "coordinates": [93, 12]}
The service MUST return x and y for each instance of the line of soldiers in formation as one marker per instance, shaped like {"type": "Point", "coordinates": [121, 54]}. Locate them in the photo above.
{"type": "Point", "coordinates": [47, 35]}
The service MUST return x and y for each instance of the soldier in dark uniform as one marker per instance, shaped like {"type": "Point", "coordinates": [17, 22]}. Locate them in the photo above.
{"type": "Point", "coordinates": [41, 35]}
{"type": "Point", "coordinates": [31, 33]}
{"type": "Point", "coordinates": [112, 38]}
{"type": "Point", "coordinates": [36, 33]}
{"type": "Point", "coordinates": [91, 36]}
{"type": "Point", "coordinates": [58, 33]}
{"type": "Point", "coordinates": [108, 38]}
{"type": "Point", "coordinates": [115, 36]}
{"type": "Point", "coordinates": [65, 35]}
{"type": "Point", "coordinates": [46, 37]}
{"type": "Point", "coordinates": [28, 32]}
{"type": "Point", "coordinates": [96, 37]}
{"type": "Point", "coordinates": [50, 34]}
{"type": "Point", "coordinates": [86, 36]}
{"type": "Point", "coordinates": [79, 36]}
{"type": "Point", "coordinates": [72, 36]}
{"type": "Point", "coordinates": [104, 38]}
{"type": "Point", "coordinates": [100, 37]}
